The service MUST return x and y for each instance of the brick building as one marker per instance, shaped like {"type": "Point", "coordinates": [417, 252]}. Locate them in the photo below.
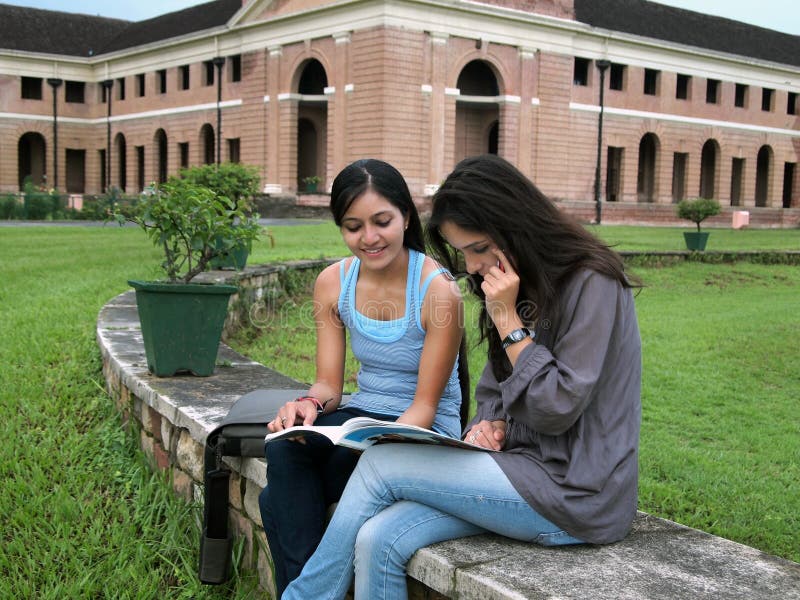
{"type": "Point", "coordinates": [692, 105]}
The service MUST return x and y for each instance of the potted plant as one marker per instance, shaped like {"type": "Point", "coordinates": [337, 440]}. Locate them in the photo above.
{"type": "Point", "coordinates": [181, 320]}
{"type": "Point", "coordinates": [311, 182]}
{"type": "Point", "coordinates": [237, 182]}
{"type": "Point", "coordinates": [697, 211]}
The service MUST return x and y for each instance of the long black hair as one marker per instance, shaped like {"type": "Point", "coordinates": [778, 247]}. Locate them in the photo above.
{"type": "Point", "coordinates": [370, 173]}
{"type": "Point", "coordinates": [487, 194]}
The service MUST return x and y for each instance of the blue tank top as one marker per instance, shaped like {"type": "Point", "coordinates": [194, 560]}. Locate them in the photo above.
{"type": "Point", "coordinates": [389, 351]}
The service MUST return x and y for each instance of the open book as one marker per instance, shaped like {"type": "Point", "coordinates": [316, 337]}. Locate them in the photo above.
{"type": "Point", "coordinates": [361, 432]}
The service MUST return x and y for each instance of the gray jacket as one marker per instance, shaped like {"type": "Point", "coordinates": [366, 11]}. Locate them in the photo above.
{"type": "Point", "coordinates": [573, 408]}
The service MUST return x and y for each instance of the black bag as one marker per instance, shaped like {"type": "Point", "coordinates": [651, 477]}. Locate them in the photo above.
{"type": "Point", "coordinates": [241, 433]}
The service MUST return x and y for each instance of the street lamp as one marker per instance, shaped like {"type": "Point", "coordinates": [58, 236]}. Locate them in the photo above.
{"type": "Point", "coordinates": [218, 61]}
{"type": "Point", "coordinates": [602, 65]}
{"type": "Point", "coordinates": [55, 83]}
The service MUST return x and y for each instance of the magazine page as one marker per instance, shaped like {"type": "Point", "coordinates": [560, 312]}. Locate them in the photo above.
{"type": "Point", "coordinates": [360, 433]}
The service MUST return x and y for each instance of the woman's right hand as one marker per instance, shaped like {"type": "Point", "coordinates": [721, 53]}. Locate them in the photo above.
{"type": "Point", "coordinates": [294, 413]}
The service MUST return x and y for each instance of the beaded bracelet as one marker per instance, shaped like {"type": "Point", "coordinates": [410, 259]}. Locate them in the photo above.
{"type": "Point", "coordinates": [320, 405]}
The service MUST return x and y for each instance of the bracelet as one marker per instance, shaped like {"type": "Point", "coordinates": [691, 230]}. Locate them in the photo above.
{"type": "Point", "coordinates": [320, 405]}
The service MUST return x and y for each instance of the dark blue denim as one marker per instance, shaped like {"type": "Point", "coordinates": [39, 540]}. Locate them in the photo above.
{"type": "Point", "coordinates": [303, 480]}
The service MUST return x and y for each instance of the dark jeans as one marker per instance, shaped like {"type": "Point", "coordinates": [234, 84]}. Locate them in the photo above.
{"type": "Point", "coordinates": [303, 480]}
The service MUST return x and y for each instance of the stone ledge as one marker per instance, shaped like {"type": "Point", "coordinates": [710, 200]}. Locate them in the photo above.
{"type": "Point", "coordinates": [658, 560]}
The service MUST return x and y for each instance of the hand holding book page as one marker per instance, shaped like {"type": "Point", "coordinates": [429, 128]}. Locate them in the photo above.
{"type": "Point", "coordinates": [359, 433]}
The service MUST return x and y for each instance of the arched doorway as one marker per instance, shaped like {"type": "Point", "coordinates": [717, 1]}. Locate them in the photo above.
{"type": "Point", "coordinates": [306, 152]}
{"type": "Point", "coordinates": [709, 158]}
{"type": "Point", "coordinates": [477, 111]}
{"type": "Point", "coordinates": [207, 144]}
{"type": "Point", "coordinates": [312, 123]}
{"type": "Point", "coordinates": [763, 168]}
{"type": "Point", "coordinates": [122, 161]}
{"type": "Point", "coordinates": [648, 159]}
{"type": "Point", "coordinates": [161, 155]}
{"type": "Point", "coordinates": [31, 153]}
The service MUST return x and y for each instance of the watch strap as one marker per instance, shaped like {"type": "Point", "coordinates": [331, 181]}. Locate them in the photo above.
{"type": "Point", "coordinates": [517, 336]}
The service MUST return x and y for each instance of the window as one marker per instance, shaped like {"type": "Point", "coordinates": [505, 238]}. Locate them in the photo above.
{"type": "Point", "coordinates": [121, 88]}
{"type": "Point", "coordinates": [235, 67]}
{"type": "Point", "coordinates": [162, 81]}
{"type": "Point", "coordinates": [712, 91]}
{"type": "Point", "coordinates": [105, 90]}
{"type": "Point", "coordinates": [183, 148]}
{"type": "Point", "coordinates": [32, 88]}
{"type": "Point", "coordinates": [791, 104]}
{"type": "Point", "coordinates": [140, 167]}
{"type": "Point", "coordinates": [580, 71]}
{"type": "Point", "coordinates": [74, 91]}
{"type": "Point", "coordinates": [140, 85]}
{"type": "Point", "coordinates": [651, 82]}
{"type": "Point", "coordinates": [184, 76]}
{"type": "Point", "coordinates": [679, 162]}
{"type": "Point", "coordinates": [103, 171]}
{"type": "Point", "coordinates": [682, 86]}
{"type": "Point", "coordinates": [740, 98]}
{"type": "Point", "coordinates": [208, 72]}
{"type": "Point", "coordinates": [766, 99]}
{"type": "Point", "coordinates": [233, 150]}
{"type": "Point", "coordinates": [616, 80]}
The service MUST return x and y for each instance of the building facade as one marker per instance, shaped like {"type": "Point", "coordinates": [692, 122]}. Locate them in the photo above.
{"type": "Point", "coordinates": [691, 105]}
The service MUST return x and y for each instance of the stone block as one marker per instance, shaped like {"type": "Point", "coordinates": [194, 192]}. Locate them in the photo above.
{"type": "Point", "coordinates": [235, 491]}
{"type": "Point", "coordinates": [155, 425]}
{"type": "Point", "coordinates": [244, 530]}
{"type": "Point", "coordinates": [251, 502]}
{"type": "Point", "coordinates": [182, 484]}
{"type": "Point", "coordinates": [190, 455]}
{"type": "Point", "coordinates": [266, 576]}
{"type": "Point", "coordinates": [160, 456]}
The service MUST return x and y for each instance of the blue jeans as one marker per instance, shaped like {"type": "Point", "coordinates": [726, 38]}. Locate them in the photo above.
{"type": "Point", "coordinates": [402, 497]}
{"type": "Point", "coordinates": [303, 480]}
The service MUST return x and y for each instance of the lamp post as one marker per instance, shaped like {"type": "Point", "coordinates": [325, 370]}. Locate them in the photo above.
{"type": "Point", "coordinates": [602, 65]}
{"type": "Point", "coordinates": [107, 85]}
{"type": "Point", "coordinates": [218, 61]}
{"type": "Point", "coordinates": [55, 83]}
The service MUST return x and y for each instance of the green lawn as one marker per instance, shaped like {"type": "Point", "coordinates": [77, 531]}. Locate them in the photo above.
{"type": "Point", "coordinates": [85, 517]}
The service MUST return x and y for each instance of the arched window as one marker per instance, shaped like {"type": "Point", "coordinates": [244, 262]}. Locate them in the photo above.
{"type": "Point", "coordinates": [478, 127]}
{"type": "Point", "coordinates": [31, 152]}
{"type": "Point", "coordinates": [648, 158]}
{"type": "Point", "coordinates": [763, 171]}
{"type": "Point", "coordinates": [708, 169]}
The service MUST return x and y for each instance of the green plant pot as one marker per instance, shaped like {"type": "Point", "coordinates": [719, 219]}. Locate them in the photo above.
{"type": "Point", "coordinates": [181, 325]}
{"type": "Point", "coordinates": [695, 240]}
{"type": "Point", "coordinates": [311, 188]}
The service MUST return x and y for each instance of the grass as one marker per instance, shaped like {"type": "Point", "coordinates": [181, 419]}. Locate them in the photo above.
{"type": "Point", "coordinates": [84, 516]}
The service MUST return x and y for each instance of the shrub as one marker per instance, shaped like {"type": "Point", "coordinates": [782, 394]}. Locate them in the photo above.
{"type": "Point", "coordinates": [10, 207]}
{"type": "Point", "coordinates": [698, 210]}
{"type": "Point", "coordinates": [235, 181]}
{"type": "Point", "coordinates": [192, 225]}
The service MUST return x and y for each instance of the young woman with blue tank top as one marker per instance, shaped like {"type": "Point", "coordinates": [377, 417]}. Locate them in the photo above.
{"type": "Point", "coordinates": [403, 313]}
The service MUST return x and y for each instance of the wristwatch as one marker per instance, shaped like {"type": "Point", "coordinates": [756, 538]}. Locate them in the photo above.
{"type": "Point", "coordinates": [517, 336]}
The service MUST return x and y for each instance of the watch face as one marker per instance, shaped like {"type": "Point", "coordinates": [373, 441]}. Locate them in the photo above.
{"type": "Point", "coordinates": [517, 335]}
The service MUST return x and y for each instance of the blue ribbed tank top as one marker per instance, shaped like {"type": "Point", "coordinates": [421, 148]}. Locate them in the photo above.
{"type": "Point", "coordinates": [390, 351]}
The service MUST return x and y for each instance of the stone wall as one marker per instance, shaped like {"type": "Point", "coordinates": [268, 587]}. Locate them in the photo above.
{"type": "Point", "coordinates": [174, 415]}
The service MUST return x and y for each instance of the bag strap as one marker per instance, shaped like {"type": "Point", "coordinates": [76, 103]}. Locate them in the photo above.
{"type": "Point", "coordinates": [216, 542]}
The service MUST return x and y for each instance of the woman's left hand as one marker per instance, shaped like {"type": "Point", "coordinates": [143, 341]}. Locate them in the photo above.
{"type": "Point", "coordinates": [488, 434]}
{"type": "Point", "coordinates": [501, 286]}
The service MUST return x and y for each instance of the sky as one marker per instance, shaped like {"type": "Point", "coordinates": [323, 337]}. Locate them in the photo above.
{"type": "Point", "coordinates": [781, 15]}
